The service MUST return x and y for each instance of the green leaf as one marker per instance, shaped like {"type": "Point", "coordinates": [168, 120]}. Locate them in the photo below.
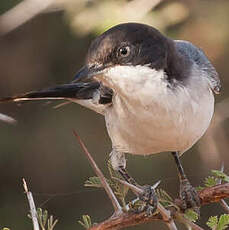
{"type": "Point", "coordinates": [165, 199]}
{"type": "Point", "coordinates": [46, 222]}
{"type": "Point", "coordinates": [44, 217]}
{"type": "Point", "coordinates": [86, 221]}
{"type": "Point", "coordinates": [135, 205]}
{"type": "Point", "coordinates": [212, 222]}
{"type": "Point", "coordinates": [210, 181]}
{"type": "Point", "coordinates": [199, 188]}
{"type": "Point", "coordinates": [220, 223]}
{"type": "Point", "coordinates": [223, 222]}
{"type": "Point", "coordinates": [39, 217]}
{"type": "Point", "coordinates": [120, 190]}
{"type": "Point", "coordinates": [51, 223]}
{"type": "Point", "coordinates": [163, 195]}
{"type": "Point", "coordinates": [93, 181]}
{"type": "Point", "coordinates": [191, 215]}
{"type": "Point", "coordinates": [220, 175]}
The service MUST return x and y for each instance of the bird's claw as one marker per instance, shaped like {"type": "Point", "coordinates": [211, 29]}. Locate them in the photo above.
{"type": "Point", "coordinates": [189, 196]}
{"type": "Point", "coordinates": [149, 200]}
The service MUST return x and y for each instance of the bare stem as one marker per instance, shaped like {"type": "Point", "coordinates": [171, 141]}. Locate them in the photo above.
{"type": "Point", "coordinates": [114, 201]}
{"type": "Point", "coordinates": [166, 216]}
{"type": "Point", "coordinates": [222, 202]}
{"type": "Point", "coordinates": [225, 206]}
{"type": "Point", "coordinates": [184, 220]}
{"type": "Point", "coordinates": [16, 16]}
{"type": "Point", "coordinates": [7, 119]}
{"type": "Point", "coordinates": [32, 206]}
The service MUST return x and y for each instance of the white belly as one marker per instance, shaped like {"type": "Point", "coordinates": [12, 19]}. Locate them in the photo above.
{"type": "Point", "coordinates": [145, 121]}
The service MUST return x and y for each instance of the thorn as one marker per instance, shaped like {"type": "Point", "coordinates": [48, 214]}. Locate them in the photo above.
{"type": "Point", "coordinates": [219, 181]}
{"type": "Point", "coordinates": [156, 184]}
{"type": "Point", "coordinates": [136, 190]}
{"type": "Point", "coordinates": [25, 185]}
{"type": "Point", "coordinates": [98, 172]}
{"type": "Point", "coordinates": [222, 202]}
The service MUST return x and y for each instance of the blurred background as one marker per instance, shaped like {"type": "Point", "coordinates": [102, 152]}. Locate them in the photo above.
{"type": "Point", "coordinates": [43, 43]}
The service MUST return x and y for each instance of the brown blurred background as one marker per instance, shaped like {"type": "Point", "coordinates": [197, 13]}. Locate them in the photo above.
{"type": "Point", "coordinates": [43, 43]}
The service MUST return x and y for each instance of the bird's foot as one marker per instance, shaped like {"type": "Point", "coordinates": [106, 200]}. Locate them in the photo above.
{"type": "Point", "coordinates": [189, 196]}
{"type": "Point", "coordinates": [148, 199]}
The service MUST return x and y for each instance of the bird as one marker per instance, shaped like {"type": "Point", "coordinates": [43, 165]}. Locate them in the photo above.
{"type": "Point", "coordinates": [155, 93]}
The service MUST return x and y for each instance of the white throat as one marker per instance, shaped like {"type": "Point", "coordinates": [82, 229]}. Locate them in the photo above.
{"type": "Point", "coordinates": [130, 79]}
{"type": "Point", "coordinates": [147, 116]}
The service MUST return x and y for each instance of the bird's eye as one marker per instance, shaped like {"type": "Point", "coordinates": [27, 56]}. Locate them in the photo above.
{"type": "Point", "coordinates": [124, 51]}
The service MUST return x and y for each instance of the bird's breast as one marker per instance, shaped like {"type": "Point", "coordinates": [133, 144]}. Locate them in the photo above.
{"type": "Point", "coordinates": [149, 120]}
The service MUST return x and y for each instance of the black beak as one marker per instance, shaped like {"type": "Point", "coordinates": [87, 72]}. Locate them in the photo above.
{"type": "Point", "coordinates": [86, 73]}
{"type": "Point", "coordinates": [80, 88]}
{"type": "Point", "coordinates": [60, 92]}
{"type": "Point", "coordinates": [82, 74]}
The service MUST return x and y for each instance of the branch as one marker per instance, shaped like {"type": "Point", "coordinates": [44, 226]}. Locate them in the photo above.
{"type": "Point", "coordinates": [21, 13]}
{"type": "Point", "coordinates": [207, 195]}
{"type": "Point", "coordinates": [214, 194]}
{"type": "Point", "coordinates": [114, 201]}
{"type": "Point", "coordinates": [7, 119]}
{"type": "Point", "coordinates": [166, 217]}
{"type": "Point", "coordinates": [222, 202]}
{"type": "Point", "coordinates": [225, 206]}
{"type": "Point", "coordinates": [32, 206]}
{"type": "Point", "coordinates": [184, 220]}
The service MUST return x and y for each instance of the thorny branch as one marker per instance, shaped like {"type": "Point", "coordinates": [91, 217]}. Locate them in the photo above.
{"type": "Point", "coordinates": [207, 195]}
{"type": "Point", "coordinates": [223, 202]}
{"type": "Point", "coordinates": [127, 219]}
{"type": "Point", "coordinates": [114, 201]}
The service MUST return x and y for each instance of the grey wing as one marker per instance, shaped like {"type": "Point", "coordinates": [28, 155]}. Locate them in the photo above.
{"type": "Point", "coordinates": [197, 55]}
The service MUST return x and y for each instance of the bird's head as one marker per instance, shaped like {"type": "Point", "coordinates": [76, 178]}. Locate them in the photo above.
{"type": "Point", "coordinates": [126, 50]}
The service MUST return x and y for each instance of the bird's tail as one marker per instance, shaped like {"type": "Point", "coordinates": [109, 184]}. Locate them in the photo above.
{"type": "Point", "coordinates": [66, 91]}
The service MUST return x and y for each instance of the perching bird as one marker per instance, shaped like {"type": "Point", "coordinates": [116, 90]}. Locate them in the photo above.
{"type": "Point", "coordinates": [156, 94]}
